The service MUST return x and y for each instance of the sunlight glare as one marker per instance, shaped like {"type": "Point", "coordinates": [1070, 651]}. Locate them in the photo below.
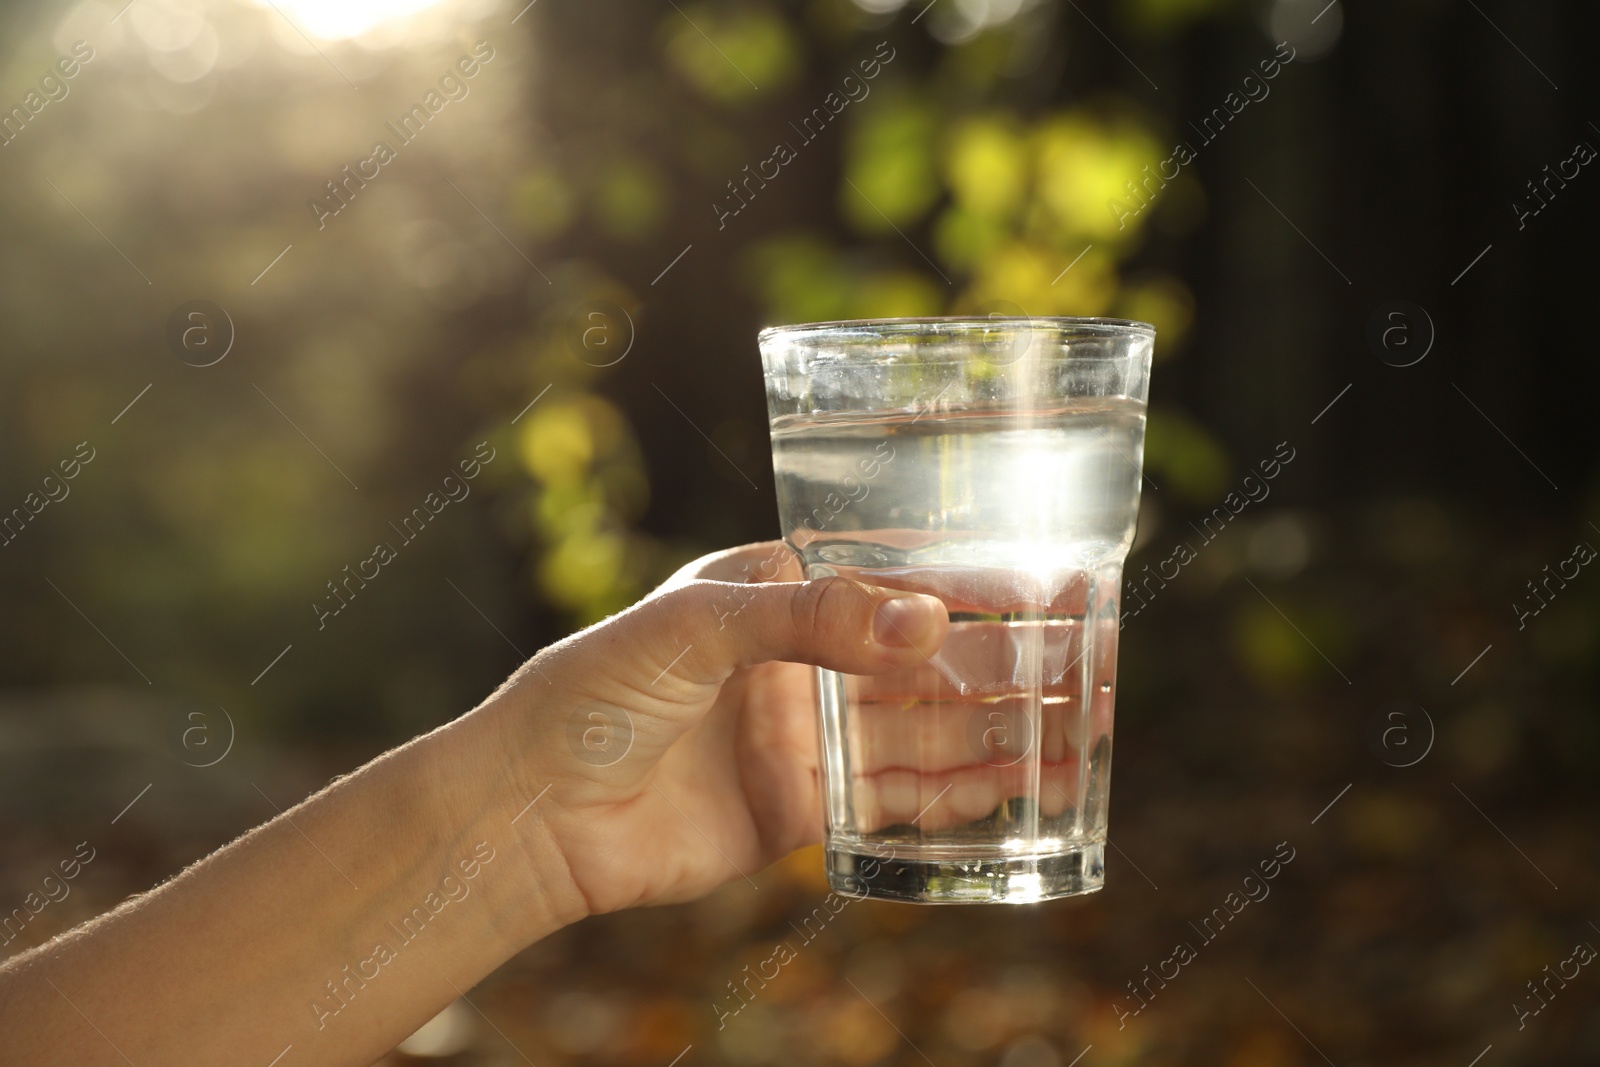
{"type": "Point", "coordinates": [342, 19]}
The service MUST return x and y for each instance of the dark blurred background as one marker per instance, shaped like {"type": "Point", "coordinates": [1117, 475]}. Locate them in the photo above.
{"type": "Point", "coordinates": [1353, 268]}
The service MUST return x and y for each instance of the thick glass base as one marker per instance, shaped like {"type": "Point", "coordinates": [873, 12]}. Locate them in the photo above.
{"type": "Point", "coordinates": [954, 879]}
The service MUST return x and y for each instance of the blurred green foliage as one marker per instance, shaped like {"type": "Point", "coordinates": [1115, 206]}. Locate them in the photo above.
{"type": "Point", "coordinates": [453, 288]}
{"type": "Point", "coordinates": [730, 52]}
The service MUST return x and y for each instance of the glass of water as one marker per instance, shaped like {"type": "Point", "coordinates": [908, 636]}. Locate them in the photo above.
{"type": "Point", "coordinates": [994, 463]}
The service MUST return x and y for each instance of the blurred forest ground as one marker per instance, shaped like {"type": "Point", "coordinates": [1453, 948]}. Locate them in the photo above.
{"type": "Point", "coordinates": [585, 172]}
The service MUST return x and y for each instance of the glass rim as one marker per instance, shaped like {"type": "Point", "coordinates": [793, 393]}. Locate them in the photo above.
{"type": "Point", "coordinates": [1122, 326]}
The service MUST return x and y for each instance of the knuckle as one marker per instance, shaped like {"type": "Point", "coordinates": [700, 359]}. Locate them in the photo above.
{"type": "Point", "coordinates": [806, 608]}
{"type": "Point", "coordinates": [823, 605]}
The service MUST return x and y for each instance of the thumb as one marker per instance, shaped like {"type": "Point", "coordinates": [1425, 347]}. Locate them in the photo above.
{"type": "Point", "coordinates": [837, 623]}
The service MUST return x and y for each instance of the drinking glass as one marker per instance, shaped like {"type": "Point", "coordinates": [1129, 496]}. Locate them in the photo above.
{"type": "Point", "coordinates": [994, 463]}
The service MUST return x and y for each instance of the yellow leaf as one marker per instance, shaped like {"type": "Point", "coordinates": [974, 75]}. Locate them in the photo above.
{"type": "Point", "coordinates": [557, 445]}
{"type": "Point", "coordinates": [890, 171]}
{"type": "Point", "coordinates": [582, 568]}
{"type": "Point", "coordinates": [986, 163]}
{"type": "Point", "coordinates": [1087, 174]}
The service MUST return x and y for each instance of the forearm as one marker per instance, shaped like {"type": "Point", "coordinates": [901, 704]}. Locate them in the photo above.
{"type": "Point", "coordinates": [335, 928]}
{"type": "Point", "coordinates": [676, 755]}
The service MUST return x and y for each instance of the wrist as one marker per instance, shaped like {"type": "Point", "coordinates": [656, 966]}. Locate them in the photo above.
{"type": "Point", "coordinates": [508, 805]}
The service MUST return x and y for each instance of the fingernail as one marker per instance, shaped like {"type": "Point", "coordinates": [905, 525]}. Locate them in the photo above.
{"type": "Point", "coordinates": [904, 621]}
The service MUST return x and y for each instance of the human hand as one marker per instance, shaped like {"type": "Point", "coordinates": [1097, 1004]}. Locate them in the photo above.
{"type": "Point", "coordinates": [501, 826]}
{"type": "Point", "coordinates": [673, 747]}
